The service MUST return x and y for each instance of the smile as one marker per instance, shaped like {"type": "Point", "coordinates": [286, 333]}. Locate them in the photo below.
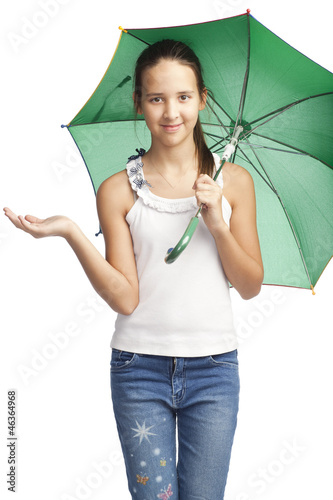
{"type": "Point", "coordinates": [171, 128]}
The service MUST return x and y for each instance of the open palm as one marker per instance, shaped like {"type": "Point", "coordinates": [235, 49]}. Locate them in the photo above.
{"type": "Point", "coordinates": [57, 225]}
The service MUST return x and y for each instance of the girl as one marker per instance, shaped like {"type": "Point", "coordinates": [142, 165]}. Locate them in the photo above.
{"type": "Point", "coordinates": [174, 368]}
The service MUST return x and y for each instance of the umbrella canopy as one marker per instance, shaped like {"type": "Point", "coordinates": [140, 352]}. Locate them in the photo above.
{"type": "Point", "coordinates": [283, 101]}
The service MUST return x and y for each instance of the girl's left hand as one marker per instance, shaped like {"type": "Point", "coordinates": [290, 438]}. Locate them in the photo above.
{"type": "Point", "coordinates": [57, 225]}
{"type": "Point", "coordinates": [209, 193]}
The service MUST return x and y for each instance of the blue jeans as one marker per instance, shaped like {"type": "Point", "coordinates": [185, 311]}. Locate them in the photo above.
{"type": "Point", "coordinates": [154, 395]}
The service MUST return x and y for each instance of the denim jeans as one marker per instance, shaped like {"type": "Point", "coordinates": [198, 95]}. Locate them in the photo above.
{"type": "Point", "coordinates": [157, 399]}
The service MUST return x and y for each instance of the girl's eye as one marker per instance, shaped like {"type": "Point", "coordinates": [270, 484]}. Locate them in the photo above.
{"type": "Point", "coordinates": [184, 97]}
{"type": "Point", "coordinates": [156, 99]}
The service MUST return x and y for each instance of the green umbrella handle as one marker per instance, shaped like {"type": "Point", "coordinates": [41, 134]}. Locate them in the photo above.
{"type": "Point", "coordinates": [173, 253]}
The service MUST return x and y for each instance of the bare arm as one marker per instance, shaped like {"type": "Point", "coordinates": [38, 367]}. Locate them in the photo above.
{"type": "Point", "coordinates": [114, 278]}
{"type": "Point", "coordinates": [238, 246]}
{"type": "Point", "coordinates": [114, 200]}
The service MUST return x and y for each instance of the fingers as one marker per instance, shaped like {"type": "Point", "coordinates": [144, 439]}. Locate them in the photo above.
{"type": "Point", "coordinates": [205, 198]}
{"type": "Point", "coordinates": [207, 191]}
{"type": "Point", "coordinates": [204, 179]}
{"type": "Point", "coordinates": [13, 217]}
{"type": "Point", "coordinates": [33, 219]}
{"type": "Point", "coordinates": [24, 223]}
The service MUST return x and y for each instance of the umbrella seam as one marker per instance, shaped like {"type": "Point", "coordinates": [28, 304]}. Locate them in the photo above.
{"type": "Point", "coordinates": [193, 24]}
{"type": "Point", "coordinates": [287, 215]}
{"type": "Point", "coordinates": [77, 114]}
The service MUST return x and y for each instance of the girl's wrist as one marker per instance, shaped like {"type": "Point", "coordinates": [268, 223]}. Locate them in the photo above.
{"type": "Point", "coordinates": [220, 231]}
{"type": "Point", "coordinates": [70, 231]}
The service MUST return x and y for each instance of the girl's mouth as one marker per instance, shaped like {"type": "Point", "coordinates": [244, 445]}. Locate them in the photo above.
{"type": "Point", "coordinates": [171, 128]}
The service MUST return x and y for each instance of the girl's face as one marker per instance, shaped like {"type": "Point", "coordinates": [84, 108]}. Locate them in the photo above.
{"type": "Point", "coordinates": [170, 102]}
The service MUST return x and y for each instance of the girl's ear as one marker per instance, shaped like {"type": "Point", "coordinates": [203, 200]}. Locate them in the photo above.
{"type": "Point", "coordinates": [203, 99]}
{"type": "Point", "coordinates": [138, 108]}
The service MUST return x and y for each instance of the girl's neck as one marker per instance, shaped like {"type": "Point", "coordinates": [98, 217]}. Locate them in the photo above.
{"type": "Point", "coordinates": [177, 158]}
{"type": "Point", "coordinates": [171, 171]}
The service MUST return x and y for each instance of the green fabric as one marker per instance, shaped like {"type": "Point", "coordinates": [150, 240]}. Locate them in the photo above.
{"type": "Point", "coordinates": [288, 120]}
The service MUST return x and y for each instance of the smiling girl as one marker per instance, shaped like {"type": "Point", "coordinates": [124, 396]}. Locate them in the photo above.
{"type": "Point", "coordinates": [174, 367]}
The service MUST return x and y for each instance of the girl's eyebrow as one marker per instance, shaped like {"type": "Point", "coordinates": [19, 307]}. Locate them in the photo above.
{"type": "Point", "coordinates": [161, 93]}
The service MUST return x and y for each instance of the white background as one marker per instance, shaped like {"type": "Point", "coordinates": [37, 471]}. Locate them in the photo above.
{"type": "Point", "coordinates": [67, 444]}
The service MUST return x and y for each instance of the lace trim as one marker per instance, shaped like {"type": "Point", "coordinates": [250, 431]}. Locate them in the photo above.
{"type": "Point", "coordinates": [141, 187]}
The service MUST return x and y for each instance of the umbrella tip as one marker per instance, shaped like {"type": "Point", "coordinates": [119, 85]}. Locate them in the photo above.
{"type": "Point", "coordinates": [313, 292]}
{"type": "Point", "coordinates": [248, 11]}
{"type": "Point", "coordinates": [122, 29]}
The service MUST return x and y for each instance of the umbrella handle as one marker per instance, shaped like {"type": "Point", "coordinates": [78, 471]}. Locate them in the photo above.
{"type": "Point", "coordinates": [173, 253]}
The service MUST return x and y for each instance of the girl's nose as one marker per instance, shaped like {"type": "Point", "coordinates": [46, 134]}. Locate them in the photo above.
{"type": "Point", "coordinates": [170, 111]}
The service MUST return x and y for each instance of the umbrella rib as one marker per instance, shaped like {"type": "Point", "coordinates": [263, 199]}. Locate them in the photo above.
{"type": "Point", "coordinates": [286, 214]}
{"type": "Point", "coordinates": [279, 111]}
{"type": "Point", "coordinates": [219, 106]}
{"type": "Point", "coordinates": [260, 146]}
{"type": "Point", "coordinates": [222, 126]}
{"type": "Point", "coordinates": [105, 121]}
{"type": "Point", "coordinates": [216, 125]}
{"type": "Point", "coordinates": [140, 40]}
{"type": "Point", "coordinates": [246, 78]}
{"type": "Point", "coordinates": [255, 168]}
{"type": "Point", "coordinates": [214, 135]}
{"type": "Point", "coordinates": [297, 150]}
{"type": "Point", "coordinates": [219, 120]}
{"type": "Point", "coordinates": [218, 145]}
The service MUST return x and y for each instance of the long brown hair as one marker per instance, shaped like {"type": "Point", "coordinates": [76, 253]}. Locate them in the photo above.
{"type": "Point", "coordinates": [182, 53]}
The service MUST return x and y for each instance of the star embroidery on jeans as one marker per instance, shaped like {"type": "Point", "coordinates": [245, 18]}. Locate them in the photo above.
{"type": "Point", "coordinates": [143, 432]}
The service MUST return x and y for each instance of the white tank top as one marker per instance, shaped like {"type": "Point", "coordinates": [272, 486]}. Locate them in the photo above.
{"type": "Point", "coordinates": [184, 308]}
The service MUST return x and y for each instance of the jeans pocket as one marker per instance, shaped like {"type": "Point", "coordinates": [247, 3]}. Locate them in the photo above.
{"type": "Point", "coordinates": [225, 359]}
{"type": "Point", "coordinates": [121, 359]}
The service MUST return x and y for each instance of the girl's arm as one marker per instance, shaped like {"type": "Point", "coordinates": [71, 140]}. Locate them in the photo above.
{"type": "Point", "coordinates": [238, 246]}
{"type": "Point", "coordinates": [114, 278]}
{"type": "Point", "coordinates": [114, 199]}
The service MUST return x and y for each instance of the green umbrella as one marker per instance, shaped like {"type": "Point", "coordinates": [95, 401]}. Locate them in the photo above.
{"type": "Point", "coordinates": [277, 100]}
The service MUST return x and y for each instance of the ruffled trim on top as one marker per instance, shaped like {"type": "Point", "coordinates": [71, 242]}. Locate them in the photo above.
{"type": "Point", "coordinates": [141, 187]}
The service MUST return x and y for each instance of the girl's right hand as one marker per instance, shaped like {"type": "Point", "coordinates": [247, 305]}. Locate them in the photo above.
{"type": "Point", "coordinates": [58, 225]}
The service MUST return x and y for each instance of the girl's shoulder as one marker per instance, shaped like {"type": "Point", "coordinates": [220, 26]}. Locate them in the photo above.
{"type": "Point", "coordinates": [237, 181]}
{"type": "Point", "coordinates": [235, 171]}
{"type": "Point", "coordinates": [116, 191]}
